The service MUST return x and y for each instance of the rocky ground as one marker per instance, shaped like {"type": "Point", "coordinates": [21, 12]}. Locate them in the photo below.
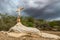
{"type": "Point", "coordinates": [27, 37]}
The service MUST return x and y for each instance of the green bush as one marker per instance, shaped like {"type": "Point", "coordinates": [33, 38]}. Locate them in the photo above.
{"type": "Point", "coordinates": [8, 21]}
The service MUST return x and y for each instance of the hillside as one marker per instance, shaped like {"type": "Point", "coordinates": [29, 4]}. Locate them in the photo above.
{"type": "Point", "coordinates": [8, 21]}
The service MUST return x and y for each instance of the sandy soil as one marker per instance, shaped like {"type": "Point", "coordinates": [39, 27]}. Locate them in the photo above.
{"type": "Point", "coordinates": [53, 32]}
{"type": "Point", "coordinates": [28, 37]}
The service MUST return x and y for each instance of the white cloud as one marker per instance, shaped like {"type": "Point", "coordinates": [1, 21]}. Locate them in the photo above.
{"type": "Point", "coordinates": [55, 19]}
{"type": "Point", "coordinates": [36, 3]}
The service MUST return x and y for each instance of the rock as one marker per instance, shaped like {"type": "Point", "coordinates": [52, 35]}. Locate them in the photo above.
{"type": "Point", "coordinates": [19, 28]}
{"type": "Point", "coordinates": [13, 34]}
{"type": "Point", "coordinates": [46, 35]}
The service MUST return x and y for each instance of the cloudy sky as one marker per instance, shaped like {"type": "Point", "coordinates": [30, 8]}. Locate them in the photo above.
{"type": "Point", "coordinates": [44, 9]}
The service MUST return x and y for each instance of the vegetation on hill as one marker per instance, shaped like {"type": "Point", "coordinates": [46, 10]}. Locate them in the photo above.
{"type": "Point", "coordinates": [8, 21]}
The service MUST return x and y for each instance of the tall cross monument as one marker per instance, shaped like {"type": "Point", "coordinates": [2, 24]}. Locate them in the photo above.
{"type": "Point", "coordinates": [19, 11]}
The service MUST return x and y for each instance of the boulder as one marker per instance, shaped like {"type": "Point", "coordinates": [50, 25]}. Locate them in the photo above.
{"type": "Point", "coordinates": [19, 28]}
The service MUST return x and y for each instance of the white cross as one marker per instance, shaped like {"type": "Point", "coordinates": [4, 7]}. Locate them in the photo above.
{"type": "Point", "coordinates": [19, 10]}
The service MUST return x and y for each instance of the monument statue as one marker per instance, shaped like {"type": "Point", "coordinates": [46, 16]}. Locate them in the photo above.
{"type": "Point", "coordinates": [18, 11]}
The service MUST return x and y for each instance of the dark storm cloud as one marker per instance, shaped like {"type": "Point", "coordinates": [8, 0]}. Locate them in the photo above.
{"type": "Point", "coordinates": [50, 11]}
{"type": "Point", "coordinates": [45, 9]}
